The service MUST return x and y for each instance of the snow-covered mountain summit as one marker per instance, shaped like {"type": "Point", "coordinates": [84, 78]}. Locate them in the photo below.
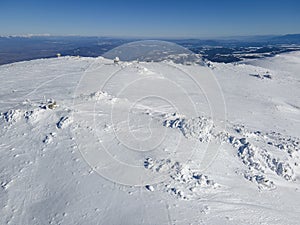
{"type": "Point", "coordinates": [90, 141]}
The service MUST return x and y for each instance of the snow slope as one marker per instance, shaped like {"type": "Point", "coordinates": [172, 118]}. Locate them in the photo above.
{"type": "Point", "coordinates": [88, 141]}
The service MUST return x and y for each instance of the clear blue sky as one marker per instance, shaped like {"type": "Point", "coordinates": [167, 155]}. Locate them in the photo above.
{"type": "Point", "coordinates": [150, 18]}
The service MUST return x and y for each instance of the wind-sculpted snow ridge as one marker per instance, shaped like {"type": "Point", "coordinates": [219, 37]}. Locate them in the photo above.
{"type": "Point", "coordinates": [262, 157]}
{"type": "Point", "coordinates": [259, 159]}
{"type": "Point", "coordinates": [101, 96]}
{"type": "Point", "coordinates": [33, 113]}
{"type": "Point", "coordinates": [183, 183]}
{"type": "Point", "coordinates": [12, 115]}
{"type": "Point", "coordinates": [136, 67]}
{"type": "Point", "coordinates": [64, 122]}
{"type": "Point", "coordinates": [275, 153]}
{"type": "Point", "coordinates": [27, 110]}
{"type": "Point", "coordinates": [199, 128]}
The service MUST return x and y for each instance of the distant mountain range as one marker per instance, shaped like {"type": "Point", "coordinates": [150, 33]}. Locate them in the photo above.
{"type": "Point", "coordinates": [250, 38]}
{"type": "Point", "coordinates": [289, 38]}
{"type": "Point", "coordinates": [26, 47]}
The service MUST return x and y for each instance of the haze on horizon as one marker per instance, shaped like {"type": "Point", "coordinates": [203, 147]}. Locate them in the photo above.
{"type": "Point", "coordinates": [135, 18]}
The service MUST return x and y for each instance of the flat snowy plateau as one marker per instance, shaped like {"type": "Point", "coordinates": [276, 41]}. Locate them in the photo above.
{"type": "Point", "coordinates": [89, 141]}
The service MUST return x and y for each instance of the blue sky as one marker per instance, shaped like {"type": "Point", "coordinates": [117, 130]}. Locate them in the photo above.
{"type": "Point", "coordinates": [150, 18]}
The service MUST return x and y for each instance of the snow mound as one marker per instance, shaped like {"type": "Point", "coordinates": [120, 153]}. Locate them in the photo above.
{"type": "Point", "coordinates": [263, 76]}
{"type": "Point", "coordinates": [12, 115]}
{"type": "Point", "coordinates": [183, 183]}
{"type": "Point", "coordinates": [260, 180]}
{"type": "Point", "coordinates": [102, 96]}
{"type": "Point", "coordinates": [144, 71]}
{"type": "Point", "coordinates": [199, 128]}
{"type": "Point", "coordinates": [29, 111]}
{"type": "Point", "coordinates": [139, 68]}
{"type": "Point", "coordinates": [49, 138]}
{"type": "Point", "coordinates": [64, 122]}
{"type": "Point", "coordinates": [289, 144]}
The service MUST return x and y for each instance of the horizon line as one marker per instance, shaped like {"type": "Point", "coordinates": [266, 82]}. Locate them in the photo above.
{"type": "Point", "coordinates": [145, 37]}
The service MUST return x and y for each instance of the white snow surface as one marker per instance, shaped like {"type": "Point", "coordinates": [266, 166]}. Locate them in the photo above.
{"type": "Point", "coordinates": [72, 143]}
